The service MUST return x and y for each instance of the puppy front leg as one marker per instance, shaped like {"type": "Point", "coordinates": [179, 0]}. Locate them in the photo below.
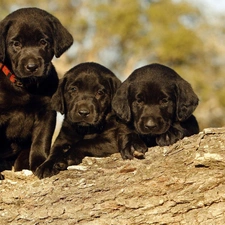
{"type": "Point", "coordinates": [41, 139]}
{"type": "Point", "coordinates": [47, 168]}
{"type": "Point", "coordinates": [130, 144]}
{"type": "Point", "coordinates": [56, 159]}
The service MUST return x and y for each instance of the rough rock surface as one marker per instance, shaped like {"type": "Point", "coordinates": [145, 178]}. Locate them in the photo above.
{"type": "Point", "coordinates": [179, 184]}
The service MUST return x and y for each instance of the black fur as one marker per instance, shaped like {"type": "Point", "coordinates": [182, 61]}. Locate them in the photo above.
{"type": "Point", "coordinates": [158, 104]}
{"type": "Point", "coordinates": [84, 96]}
{"type": "Point", "coordinates": [29, 38]}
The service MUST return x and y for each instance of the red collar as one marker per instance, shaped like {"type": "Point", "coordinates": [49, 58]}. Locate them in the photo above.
{"type": "Point", "coordinates": [10, 75]}
{"type": "Point", "coordinates": [7, 72]}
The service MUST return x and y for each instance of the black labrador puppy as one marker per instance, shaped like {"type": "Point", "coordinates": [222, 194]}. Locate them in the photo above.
{"type": "Point", "coordinates": [29, 38]}
{"type": "Point", "coordinates": [158, 104]}
{"type": "Point", "coordinates": [84, 96]}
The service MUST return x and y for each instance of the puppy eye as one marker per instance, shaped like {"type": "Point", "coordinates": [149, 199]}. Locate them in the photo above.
{"type": "Point", "coordinates": [43, 42]}
{"type": "Point", "coordinates": [73, 89]}
{"type": "Point", "coordinates": [164, 102]}
{"type": "Point", "coordinates": [17, 44]}
{"type": "Point", "coordinates": [139, 100]}
{"type": "Point", "coordinates": [100, 92]}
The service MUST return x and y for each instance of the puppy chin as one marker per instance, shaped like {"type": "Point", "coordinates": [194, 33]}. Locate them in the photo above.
{"type": "Point", "coordinates": [82, 122]}
{"type": "Point", "coordinates": [25, 74]}
{"type": "Point", "coordinates": [88, 123]}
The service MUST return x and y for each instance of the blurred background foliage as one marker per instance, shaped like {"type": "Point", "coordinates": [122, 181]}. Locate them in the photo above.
{"type": "Point", "coordinates": [124, 35]}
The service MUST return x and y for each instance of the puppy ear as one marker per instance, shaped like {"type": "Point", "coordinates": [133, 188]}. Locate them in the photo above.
{"type": "Point", "coordinates": [57, 100]}
{"type": "Point", "coordinates": [4, 26]}
{"type": "Point", "coordinates": [114, 84]}
{"type": "Point", "coordinates": [62, 38]}
{"type": "Point", "coordinates": [187, 100]}
{"type": "Point", "coordinates": [120, 103]}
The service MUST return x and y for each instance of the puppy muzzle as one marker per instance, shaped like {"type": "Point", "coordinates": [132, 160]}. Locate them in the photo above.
{"type": "Point", "coordinates": [152, 125]}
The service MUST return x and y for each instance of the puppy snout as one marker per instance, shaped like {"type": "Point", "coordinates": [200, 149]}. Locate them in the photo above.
{"type": "Point", "coordinates": [84, 112]}
{"type": "Point", "coordinates": [31, 66]}
{"type": "Point", "coordinates": [150, 124]}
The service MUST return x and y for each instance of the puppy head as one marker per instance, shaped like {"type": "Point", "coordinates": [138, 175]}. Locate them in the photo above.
{"type": "Point", "coordinates": [29, 38]}
{"type": "Point", "coordinates": [153, 97]}
{"type": "Point", "coordinates": [85, 93]}
{"type": "Point", "coordinates": [152, 112]}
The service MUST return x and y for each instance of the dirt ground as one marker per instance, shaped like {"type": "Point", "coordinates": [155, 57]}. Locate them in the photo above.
{"type": "Point", "coordinates": [179, 184]}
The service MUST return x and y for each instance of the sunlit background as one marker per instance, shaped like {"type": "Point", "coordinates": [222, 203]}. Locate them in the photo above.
{"type": "Point", "coordinates": [187, 35]}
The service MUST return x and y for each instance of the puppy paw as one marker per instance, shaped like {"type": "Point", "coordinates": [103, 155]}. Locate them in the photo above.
{"type": "Point", "coordinates": [46, 169]}
{"type": "Point", "coordinates": [169, 138]}
{"type": "Point", "coordinates": [135, 149]}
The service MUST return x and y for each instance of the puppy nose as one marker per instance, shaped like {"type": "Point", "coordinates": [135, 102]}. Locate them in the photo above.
{"type": "Point", "coordinates": [31, 67]}
{"type": "Point", "coordinates": [150, 124]}
{"type": "Point", "coordinates": [84, 112]}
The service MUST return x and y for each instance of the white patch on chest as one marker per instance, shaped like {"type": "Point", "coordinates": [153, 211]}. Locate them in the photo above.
{"type": "Point", "coordinates": [59, 121]}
